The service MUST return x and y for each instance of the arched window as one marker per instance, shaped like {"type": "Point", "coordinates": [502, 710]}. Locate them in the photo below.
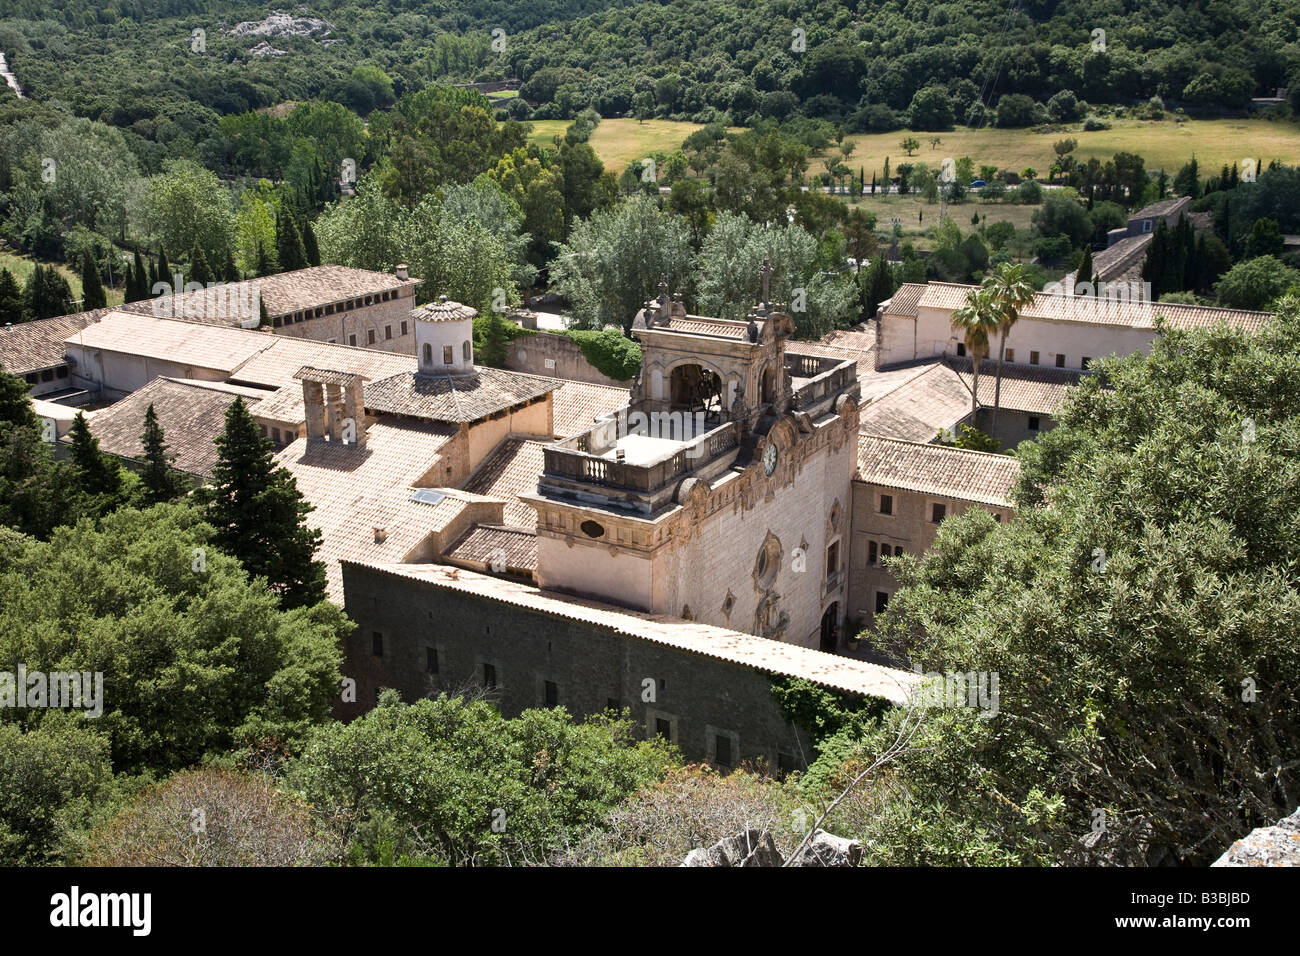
{"type": "Point", "coordinates": [464, 350]}
{"type": "Point", "coordinates": [428, 352]}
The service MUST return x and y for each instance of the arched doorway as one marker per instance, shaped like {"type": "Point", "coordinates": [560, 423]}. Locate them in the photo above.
{"type": "Point", "coordinates": [696, 389]}
{"type": "Point", "coordinates": [831, 628]}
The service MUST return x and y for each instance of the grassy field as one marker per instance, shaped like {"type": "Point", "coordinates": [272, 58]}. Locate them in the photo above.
{"type": "Point", "coordinates": [916, 215]}
{"type": "Point", "coordinates": [621, 141]}
{"type": "Point", "coordinates": [1164, 145]}
{"type": "Point", "coordinates": [22, 265]}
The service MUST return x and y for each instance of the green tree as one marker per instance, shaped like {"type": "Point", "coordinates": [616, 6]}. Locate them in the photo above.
{"type": "Point", "coordinates": [189, 206]}
{"type": "Point", "coordinates": [158, 481]}
{"type": "Point", "coordinates": [1265, 239]}
{"type": "Point", "coordinates": [289, 248]}
{"type": "Point", "coordinates": [909, 145]}
{"type": "Point", "coordinates": [93, 295]}
{"type": "Point", "coordinates": [98, 475]}
{"type": "Point", "coordinates": [258, 513]}
{"type": "Point", "coordinates": [878, 283]}
{"type": "Point", "coordinates": [975, 321]}
{"type": "Point", "coordinates": [1086, 271]}
{"type": "Point", "coordinates": [47, 293]}
{"type": "Point", "coordinates": [1255, 283]}
{"type": "Point", "coordinates": [309, 246]}
{"type": "Point", "coordinates": [1010, 292]}
{"type": "Point", "coordinates": [11, 299]}
{"type": "Point", "coordinates": [200, 271]}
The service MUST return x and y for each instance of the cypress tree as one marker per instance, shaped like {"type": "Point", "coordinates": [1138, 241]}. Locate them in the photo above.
{"type": "Point", "coordinates": [1085, 272]}
{"type": "Point", "coordinates": [153, 275]}
{"type": "Point", "coordinates": [11, 299]}
{"type": "Point", "coordinates": [47, 293]}
{"type": "Point", "coordinates": [164, 268]}
{"type": "Point", "coordinates": [263, 267]}
{"type": "Point", "coordinates": [877, 283]}
{"type": "Point", "coordinates": [309, 244]}
{"type": "Point", "coordinates": [229, 273]}
{"type": "Point", "coordinates": [143, 289]}
{"type": "Point", "coordinates": [92, 290]}
{"type": "Point", "coordinates": [98, 476]}
{"type": "Point", "coordinates": [158, 481]}
{"type": "Point", "coordinates": [258, 513]}
{"type": "Point", "coordinates": [288, 242]}
{"type": "Point", "coordinates": [200, 271]}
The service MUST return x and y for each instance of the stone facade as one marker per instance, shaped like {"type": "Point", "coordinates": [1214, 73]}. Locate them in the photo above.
{"type": "Point", "coordinates": [372, 322]}
{"type": "Point", "coordinates": [557, 356]}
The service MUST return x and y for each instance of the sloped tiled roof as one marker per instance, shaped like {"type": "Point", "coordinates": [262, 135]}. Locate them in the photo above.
{"type": "Point", "coordinates": [513, 466]}
{"type": "Point", "coordinates": [185, 343]}
{"type": "Point", "coordinates": [692, 637]}
{"type": "Point", "coordinates": [488, 543]}
{"type": "Point", "coordinates": [283, 293]}
{"type": "Point", "coordinates": [455, 398]}
{"type": "Point", "coordinates": [34, 346]}
{"type": "Point", "coordinates": [1024, 388]}
{"type": "Point", "coordinates": [920, 407]}
{"type": "Point", "coordinates": [191, 416]}
{"type": "Point", "coordinates": [906, 299]}
{"type": "Point", "coordinates": [1104, 311]}
{"type": "Point", "coordinates": [937, 470]}
{"type": "Point", "coordinates": [276, 364]}
{"type": "Point", "coordinates": [578, 404]}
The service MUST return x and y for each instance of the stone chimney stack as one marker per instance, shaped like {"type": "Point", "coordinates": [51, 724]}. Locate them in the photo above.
{"type": "Point", "coordinates": [402, 272]}
{"type": "Point", "coordinates": [335, 406]}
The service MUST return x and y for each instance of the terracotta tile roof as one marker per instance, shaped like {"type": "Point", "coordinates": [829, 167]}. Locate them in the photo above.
{"type": "Point", "coordinates": [1120, 262]}
{"type": "Point", "coordinates": [444, 310]}
{"type": "Point", "coordinates": [455, 398]}
{"type": "Point", "coordinates": [355, 489]}
{"type": "Point", "coordinates": [691, 637]}
{"type": "Point", "coordinates": [231, 303]}
{"type": "Point", "coordinates": [280, 358]}
{"type": "Point", "coordinates": [1024, 388]}
{"type": "Point", "coordinates": [906, 299]}
{"type": "Point", "coordinates": [485, 544]}
{"type": "Point", "coordinates": [937, 470]}
{"type": "Point", "coordinates": [191, 417]}
{"type": "Point", "coordinates": [1162, 208]}
{"type": "Point", "coordinates": [1104, 311]}
{"type": "Point", "coordinates": [861, 338]}
{"type": "Point", "coordinates": [920, 407]}
{"type": "Point", "coordinates": [179, 342]}
{"type": "Point", "coordinates": [36, 346]}
{"type": "Point", "coordinates": [513, 466]}
{"type": "Point", "coordinates": [578, 404]}
{"type": "Point", "coordinates": [702, 325]}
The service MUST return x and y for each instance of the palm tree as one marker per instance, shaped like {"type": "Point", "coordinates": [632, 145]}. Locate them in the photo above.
{"type": "Point", "coordinates": [1010, 293]}
{"type": "Point", "coordinates": [976, 320]}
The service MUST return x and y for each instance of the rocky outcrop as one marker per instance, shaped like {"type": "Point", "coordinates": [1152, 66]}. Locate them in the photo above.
{"type": "Point", "coordinates": [755, 848]}
{"type": "Point", "coordinates": [1267, 846]}
{"type": "Point", "coordinates": [282, 25]}
{"type": "Point", "coordinates": [265, 49]}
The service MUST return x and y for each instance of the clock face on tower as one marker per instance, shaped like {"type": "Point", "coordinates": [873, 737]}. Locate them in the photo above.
{"type": "Point", "coordinates": [769, 459]}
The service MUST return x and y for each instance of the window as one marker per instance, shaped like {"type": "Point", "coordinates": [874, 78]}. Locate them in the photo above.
{"type": "Point", "coordinates": [431, 660]}
{"type": "Point", "coordinates": [882, 601]}
{"type": "Point", "coordinates": [377, 643]}
{"type": "Point", "coordinates": [832, 559]}
{"type": "Point", "coordinates": [1011, 355]}
{"type": "Point", "coordinates": [961, 348]}
{"type": "Point", "coordinates": [938, 512]}
{"type": "Point", "coordinates": [1060, 361]}
{"type": "Point", "coordinates": [428, 353]}
{"type": "Point", "coordinates": [898, 550]}
{"type": "Point", "coordinates": [33, 378]}
{"type": "Point", "coordinates": [403, 328]}
{"type": "Point", "coordinates": [611, 703]}
{"type": "Point", "coordinates": [370, 337]}
{"type": "Point", "coordinates": [464, 350]}
{"type": "Point", "coordinates": [722, 749]}
{"type": "Point", "coordinates": [1147, 225]}
{"type": "Point", "coordinates": [1033, 423]}
{"type": "Point", "coordinates": [552, 693]}
{"type": "Point", "coordinates": [352, 339]}
{"type": "Point", "coordinates": [1086, 361]}
{"type": "Point", "coordinates": [388, 332]}
{"type": "Point", "coordinates": [885, 551]}
{"type": "Point", "coordinates": [997, 518]}
{"type": "Point", "coordinates": [275, 435]}
{"type": "Point", "coordinates": [664, 728]}
{"type": "Point", "coordinates": [62, 371]}
{"type": "Point", "coordinates": [489, 676]}
{"type": "Point", "coordinates": [446, 355]}
{"type": "Point", "coordinates": [1033, 358]}
{"type": "Point", "coordinates": [886, 504]}
{"type": "Point", "coordinates": [871, 552]}
{"type": "Point", "coordinates": [47, 375]}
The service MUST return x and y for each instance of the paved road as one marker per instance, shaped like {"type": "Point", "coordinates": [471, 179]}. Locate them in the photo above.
{"type": "Point", "coordinates": [9, 77]}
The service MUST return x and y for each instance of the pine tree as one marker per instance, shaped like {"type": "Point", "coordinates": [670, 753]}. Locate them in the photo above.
{"type": "Point", "coordinates": [99, 477]}
{"type": "Point", "coordinates": [200, 271]}
{"type": "Point", "coordinates": [15, 406]}
{"type": "Point", "coordinates": [309, 244]}
{"type": "Point", "coordinates": [11, 299]}
{"type": "Point", "coordinates": [877, 283]}
{"type": "Point", "coordinates": [263, 267]}
{"type": "Point", "coordinates": [92, 290]}
{"type": "Point", "coordinates": [289, 246]}
{"type": "Point", "coordinates": [158, 481]}
{"type": "Point", "coordinates": [258, 513]}
{"type": "Point", "coordinates": [228, 272]}
{"type": "Point", "coordinates": [47, 293]}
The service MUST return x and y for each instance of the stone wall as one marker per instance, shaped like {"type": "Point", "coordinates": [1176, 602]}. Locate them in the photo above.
{"type": "Point", "coordinates": [590, 667]}
{"type": "Point", "coordinates": [380, 322]}
{"type": "Point", "coordinates": [556, 356]}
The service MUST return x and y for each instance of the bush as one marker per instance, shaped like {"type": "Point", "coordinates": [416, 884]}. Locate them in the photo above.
{"type": "Point", "coordinates": [1029, 193]}
{"type": "Point", "coordinates": [1255, 283]}
{"type": "Point", "coordinates": [1094, 124]}
{"type": "Point", "coordinates": [999, 233]}
{"type": "Point", "coordinates": [1016, 110]}
{"type": "Point", "coordinates": [609, 351]}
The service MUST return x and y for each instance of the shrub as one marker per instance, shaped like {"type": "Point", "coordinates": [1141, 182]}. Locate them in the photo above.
{"type": "Point", "coordinates": [1094, 124]}
{"type": "Point", "coordinates": [609, 351]}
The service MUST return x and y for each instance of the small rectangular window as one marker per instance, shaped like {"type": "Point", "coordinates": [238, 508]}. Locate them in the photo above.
{"type": "Point", "coordinates": [1086, 361]}
{"type": "Point", "coordinates": [664, 728]}
{"type": "Point", "coordinates": [885, 552]}
{"type": "Point", "coordinates": [882, 601]}
{"type": "Point", "coordinates": [886, 504]}
{"type": "Point", "coordinates": [352, 339]}
{"type": "Point", "coordinates": [1011, 355]}
{"type": "Point", "coordinates": [403, 328]}
{"type": "Point", "coordinates": [489, 676]}
{"type": "Point", "coordinates": [552, 693]}
{"type": "Point", "coordinates": [1033, 423]}
{"type": "Point", "coordinates": [388, 332]}
{"type": "Point", "coordinates": [377, 643]}
{"type": "Point", "coordinates": [47, 375]}
{"type": "Point", "coordinates": [275, 435]}
{"type": "Point", "coordinates": [832, 558]}
{"type": "Point", "coordinates": [431, 660]}
{"type": "Point", "coordinates": [370, 337]}
{"type": "Point", "coordinates": [1060, 361]}
{"type": "Point", "coordinates": [447, 358]}
{"type": "Point", "coordinates": [33, 379]}
{"type": "Point", "coordinates": [871, 552]}
{"type": "Point", "coordinates": [961, 348]}
{"type": "Point", "coordinates": [938, 512]}
{"type": "Point", "coordinates": [63, 371]}
{"type": "Point", "coordinates": [722, 749]}
{"type": "Point", "coordinates": [1033, 358]}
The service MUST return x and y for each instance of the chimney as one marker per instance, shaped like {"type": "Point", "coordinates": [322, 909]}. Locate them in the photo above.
{"type": "Point", "coordinates": [381, 535]}
{"type": "Point", "coordinates": [401, 272]}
